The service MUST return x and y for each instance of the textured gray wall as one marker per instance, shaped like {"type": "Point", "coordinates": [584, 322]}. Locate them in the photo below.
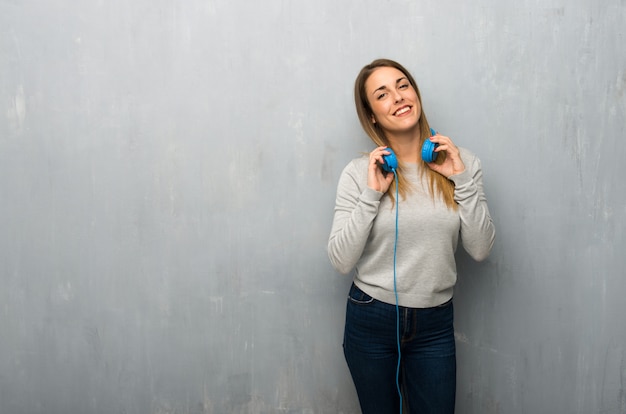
{"type": "Point", "coordinates": [167, 180]}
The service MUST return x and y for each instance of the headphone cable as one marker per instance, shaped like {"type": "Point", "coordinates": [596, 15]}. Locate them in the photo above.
{"type": "Point", "coordinates": [395, 290]}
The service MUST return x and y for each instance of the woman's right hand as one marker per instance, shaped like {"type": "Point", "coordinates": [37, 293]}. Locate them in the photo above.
{"type": "Point", "coordinates": [377, 179]}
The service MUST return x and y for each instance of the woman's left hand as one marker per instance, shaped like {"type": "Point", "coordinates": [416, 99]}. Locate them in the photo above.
{"type": "Point", "coordinates": [452, 164]}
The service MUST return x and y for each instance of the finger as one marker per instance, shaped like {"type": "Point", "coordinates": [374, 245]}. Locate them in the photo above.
{"type": "Point", "coordinates": [441, 139]}
{"type": "Point", "coordinates": [376, 156]}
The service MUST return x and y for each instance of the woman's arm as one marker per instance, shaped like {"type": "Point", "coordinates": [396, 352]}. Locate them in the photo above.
{"type": "Point", "coordinates": [477, 229]}
{"type": "Point", "coordinates": [356, 208]}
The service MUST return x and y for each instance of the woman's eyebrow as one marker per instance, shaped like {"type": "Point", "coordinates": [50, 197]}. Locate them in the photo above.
{"type": "Point", "coordinates": [382, 88]}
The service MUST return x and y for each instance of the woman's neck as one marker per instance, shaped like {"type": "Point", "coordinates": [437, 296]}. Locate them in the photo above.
{"type": "Point", "coordinates": [406, 145]}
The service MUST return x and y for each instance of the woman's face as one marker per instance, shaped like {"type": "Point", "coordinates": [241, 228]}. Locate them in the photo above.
{"type": "Point", "coordinates": [393, 100]}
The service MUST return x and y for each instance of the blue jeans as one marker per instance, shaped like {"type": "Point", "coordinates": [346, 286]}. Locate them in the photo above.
{"type": "Point", "coordinates": [428, 362]}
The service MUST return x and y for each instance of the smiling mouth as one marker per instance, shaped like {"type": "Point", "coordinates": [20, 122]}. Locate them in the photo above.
{"type": "Point", "coordinates": [402, 111]}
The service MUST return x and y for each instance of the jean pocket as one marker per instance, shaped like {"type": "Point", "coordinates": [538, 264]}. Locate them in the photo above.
{"type": "Point", "coordinates": [358, 297]}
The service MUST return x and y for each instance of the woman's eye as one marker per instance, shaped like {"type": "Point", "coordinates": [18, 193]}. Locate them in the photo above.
{"type": "Point", "coordinates": [381, 96]}
{"type": "Point", "coordinates": [404, 86]}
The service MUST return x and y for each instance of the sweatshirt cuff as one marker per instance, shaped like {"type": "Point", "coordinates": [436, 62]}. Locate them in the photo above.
{"type": "Point", "coordinates": [371, 195]}
{"type": "Point", "coordinates": [461, 178]}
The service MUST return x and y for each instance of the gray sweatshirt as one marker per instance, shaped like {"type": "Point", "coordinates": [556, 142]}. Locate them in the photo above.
{"type": "Point", "coordinates": [364, 225]}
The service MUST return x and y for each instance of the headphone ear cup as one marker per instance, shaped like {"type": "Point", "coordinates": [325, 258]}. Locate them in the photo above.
{"type": "Point", "coordinates": [428, 151]}
{"type": "Point", "coordinates": [391, 162]}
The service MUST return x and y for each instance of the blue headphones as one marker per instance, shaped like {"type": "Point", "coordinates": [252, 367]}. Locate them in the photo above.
{"type": "Point", "coordinates": [390, 164]}
{"type": "Point", "coordinates": [428, 154]}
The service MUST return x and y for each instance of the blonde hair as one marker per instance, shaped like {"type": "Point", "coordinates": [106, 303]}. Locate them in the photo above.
{"type": "Point", "coordinates": [439, 185]}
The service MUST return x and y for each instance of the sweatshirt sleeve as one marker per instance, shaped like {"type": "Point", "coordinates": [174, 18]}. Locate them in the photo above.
{"type": "Point", "coordinates": [477, 229]}
{"type": "Point", "coordinates": [356, 207]}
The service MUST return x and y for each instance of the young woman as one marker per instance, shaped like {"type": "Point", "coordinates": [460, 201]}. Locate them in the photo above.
{"type": "Point", "coordinates": [399, 331]}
